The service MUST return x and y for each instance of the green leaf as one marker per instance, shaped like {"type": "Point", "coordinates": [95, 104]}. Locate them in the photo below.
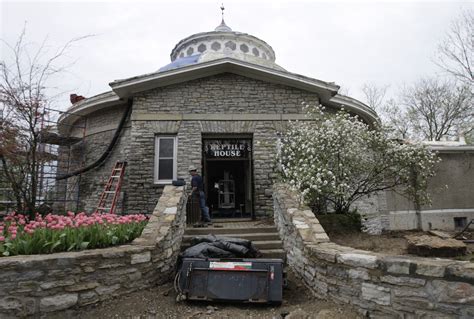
{"type": "Point", "coordinates": [84, 244]}
{"type": "Point", "coordinates": [6, 253]}
{"type": "Point", "coordinates": [56, 244]}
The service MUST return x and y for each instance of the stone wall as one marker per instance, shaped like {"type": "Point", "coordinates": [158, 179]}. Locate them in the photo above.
{"type": "Point", "coordinates": [100, 127]}
{"type": "Point", "coordinates": [223, 94]}
{"type": "Point", "coordinates": [39, 284]}
{"type": "Point", "coordinates": [380, 286]}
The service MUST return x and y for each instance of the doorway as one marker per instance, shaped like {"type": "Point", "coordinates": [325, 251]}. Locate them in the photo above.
{"type": "Point", "coordinates": [228, 177]}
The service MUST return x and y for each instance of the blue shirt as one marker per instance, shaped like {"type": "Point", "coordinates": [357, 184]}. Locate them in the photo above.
{"type": "Point", "coordinates": [197, 182]}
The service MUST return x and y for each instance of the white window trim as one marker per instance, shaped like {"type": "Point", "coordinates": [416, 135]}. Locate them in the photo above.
{"type": "Point", "coordinates": [175, 158]}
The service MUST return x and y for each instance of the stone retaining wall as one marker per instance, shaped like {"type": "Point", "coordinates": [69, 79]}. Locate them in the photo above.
{"type": "Point", "coordinates": [379, 285]}
{"type": "Point", "coordinates": [37, 284]}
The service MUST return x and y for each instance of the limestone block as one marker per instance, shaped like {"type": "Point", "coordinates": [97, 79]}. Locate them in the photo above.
{"type": "Point", "coordinates": [431, 267]}
{"type": "Point", "coordinates": [55, 284]}
{"type": "Point", "coordinates": [82, 286]}
{"type": "Point", "coordinates": [10, 303]}
{"type": "Point", "coordinates": [317, 228]}
{"type": "Point", "coordinates": [409, 292]}
{"type": "Point", "coordinates": [461, 270]}
{"type": "Point", "coordinates": [170, 218]}
{"type": "Point", "coordinates": [58, 302]}
{"type": "Point", "coordinates": [321, 287]}
{"type": "Point", "coordinates": [452, 292]}
{"type": "Point", "coordinates": [358, 273]}
{"type": "Point", "coordinates": [27, 275]}
{"type": "Point", "coordinates": [321, 237]}
{"type": "Point", "coordinates": [300, 224]}
{"type": "Point", "coordinates": [26, 286]}
{"type": "Point", "coordinates": [135, 276]}
{"type": "Point", "coordinates": [338, 272]}
{"type": "Point", "coordinates": [327, 253]}
{"type": "Point", "coordinates": [403, 281]}
{"type": "Point", "coordinates": [358, 260]}
{"type": "Point", "coordinates": [306, 234]}
{"type": "Point", "coordinates": [106, 290]}
{"type": "Point", "coordinates": [114, 252]}
{"type": "Point", "coordinates": [375, 293]}
{"type": "Point", "coordinates": [397, 265]}
{"type": "Point", "coordinates": [171, 210]}
{"type": "Point", "coordinates": [434, 246]}
{"type": "Point", "coordinates": [88, 298]}
{"type": "Point", "coordinates": [418, 306]}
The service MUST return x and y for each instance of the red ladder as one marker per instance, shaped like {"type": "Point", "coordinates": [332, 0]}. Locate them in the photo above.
{"type": "Point", "coordinates": [112, 187]}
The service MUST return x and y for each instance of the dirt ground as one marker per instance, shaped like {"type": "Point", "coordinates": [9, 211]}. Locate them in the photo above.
{"type": "Point", "coordinates": [392, 243]}
{"type": "Point", "coordinates": [160, 302]}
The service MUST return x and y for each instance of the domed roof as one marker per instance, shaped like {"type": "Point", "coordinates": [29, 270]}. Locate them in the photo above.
{"type": "Point", "coordinates": [221, 43]}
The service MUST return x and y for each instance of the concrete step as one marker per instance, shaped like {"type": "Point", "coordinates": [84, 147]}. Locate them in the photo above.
{"type": "Point", "coordinates": [261, 245]}
{"type": "Point", "coordinates": [252, 236]}
{"type": "Point", "coordinates": [229, 230]}
{"type": "Point", "coordinates": [273, 253]}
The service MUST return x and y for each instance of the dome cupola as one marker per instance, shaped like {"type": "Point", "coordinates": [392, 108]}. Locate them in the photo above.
{"type": "Point", "coordinates": [222, 43]}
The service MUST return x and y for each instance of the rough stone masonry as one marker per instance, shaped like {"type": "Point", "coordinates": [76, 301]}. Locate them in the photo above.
{"type": "Point", "coordinates": [39, 284]}
{"type": "Point", "coordinates": [381, 286]}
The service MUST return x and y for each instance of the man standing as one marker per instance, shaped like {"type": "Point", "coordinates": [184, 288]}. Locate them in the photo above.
{"type": "Point", "coordinates": [198, 188]}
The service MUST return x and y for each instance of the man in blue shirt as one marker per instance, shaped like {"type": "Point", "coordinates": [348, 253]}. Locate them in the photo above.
{"type": "Point", "coordinates": [198, 188]}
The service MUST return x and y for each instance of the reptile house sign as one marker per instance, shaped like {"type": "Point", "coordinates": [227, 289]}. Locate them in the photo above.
{"type": "Point", "coordinates": [227, 148]}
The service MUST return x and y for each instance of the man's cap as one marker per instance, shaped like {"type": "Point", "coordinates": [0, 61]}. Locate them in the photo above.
{"type": "Point", "coordinates": [192, 168]}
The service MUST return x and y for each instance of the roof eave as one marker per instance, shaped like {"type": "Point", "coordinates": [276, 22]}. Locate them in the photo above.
{"type": "Point", "coordinates": [75, 112]}
{"type": "Point", "coordinates": [353, 105]}
{"type": "Point", "coordinates": [128, 87]}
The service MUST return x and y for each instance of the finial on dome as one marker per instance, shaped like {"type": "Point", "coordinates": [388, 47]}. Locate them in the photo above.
{"type": "Point", "coordinates": [223, 27]}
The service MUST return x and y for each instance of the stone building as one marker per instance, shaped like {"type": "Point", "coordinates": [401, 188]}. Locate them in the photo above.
{"type": "Point", "coordinates": [219, 105]}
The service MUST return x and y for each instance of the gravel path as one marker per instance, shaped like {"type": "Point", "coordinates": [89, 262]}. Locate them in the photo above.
{"type": "Point", "coordinates": [160, 302]}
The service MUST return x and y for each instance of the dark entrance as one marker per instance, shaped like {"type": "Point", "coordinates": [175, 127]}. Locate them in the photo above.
{"type": "Point", "coordinates": [228, 176]}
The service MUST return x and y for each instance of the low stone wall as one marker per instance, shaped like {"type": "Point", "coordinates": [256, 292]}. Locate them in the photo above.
{"type": "Point", "coordinates": [379, 285]}
{"type": "Point", "coordinates": [37, 284]}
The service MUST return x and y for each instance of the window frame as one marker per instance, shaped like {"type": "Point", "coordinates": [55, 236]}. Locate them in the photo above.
{"type": "Point", "coordinates": [157, 159]}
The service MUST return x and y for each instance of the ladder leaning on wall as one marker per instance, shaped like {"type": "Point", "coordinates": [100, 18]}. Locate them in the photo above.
{"type": "Point", "coordinates": [109, 197]}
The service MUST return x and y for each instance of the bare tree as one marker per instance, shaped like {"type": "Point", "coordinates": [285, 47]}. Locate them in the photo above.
{"type": "Point", "coordinates": [25, 83]}
{"type": "Point", "coordinates": [438, 108]}
{"type": "Point", "coordinates": [396, 120]}
{"type": "Point", "coordinates": [455, 53]}
{"type": "Point", "coordinates": [374, 95]}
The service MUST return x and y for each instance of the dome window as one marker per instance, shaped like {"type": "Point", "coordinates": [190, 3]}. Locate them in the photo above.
{"type": "Point", "coordinates": [189, 51]}
{"type": "Point", "coordinates": [231, 45]}
{"type": "Point", "coordinates": [255, 52]}
{"type": "Point", "coordinates": [216, 46]}
{"type": "Point", "coordinates": [244, 48]}
{"type": "Point", "coordinates": [202, 47]}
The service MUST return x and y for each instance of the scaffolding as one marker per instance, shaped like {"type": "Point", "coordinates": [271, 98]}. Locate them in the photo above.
{"type": "Point", "coordinates": [58, 153]}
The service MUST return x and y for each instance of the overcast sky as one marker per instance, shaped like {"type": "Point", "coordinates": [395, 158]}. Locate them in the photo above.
{"type": "Point", "coordinates": [350, 42]}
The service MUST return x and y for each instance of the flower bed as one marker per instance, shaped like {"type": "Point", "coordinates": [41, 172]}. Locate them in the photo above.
{"type": "Point", "coordinates": [71, 232]}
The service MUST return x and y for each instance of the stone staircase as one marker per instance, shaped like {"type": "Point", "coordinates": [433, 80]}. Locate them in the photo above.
{"type": "Point", "coordinates": [263, 235]}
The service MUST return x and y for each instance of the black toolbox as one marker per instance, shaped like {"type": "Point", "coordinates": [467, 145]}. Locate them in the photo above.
{"type": "Point", "coordinates": [239, 280]}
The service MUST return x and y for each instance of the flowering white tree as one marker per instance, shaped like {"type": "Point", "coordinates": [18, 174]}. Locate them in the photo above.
{"type": "Point", "coordinates": [337, 159]}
